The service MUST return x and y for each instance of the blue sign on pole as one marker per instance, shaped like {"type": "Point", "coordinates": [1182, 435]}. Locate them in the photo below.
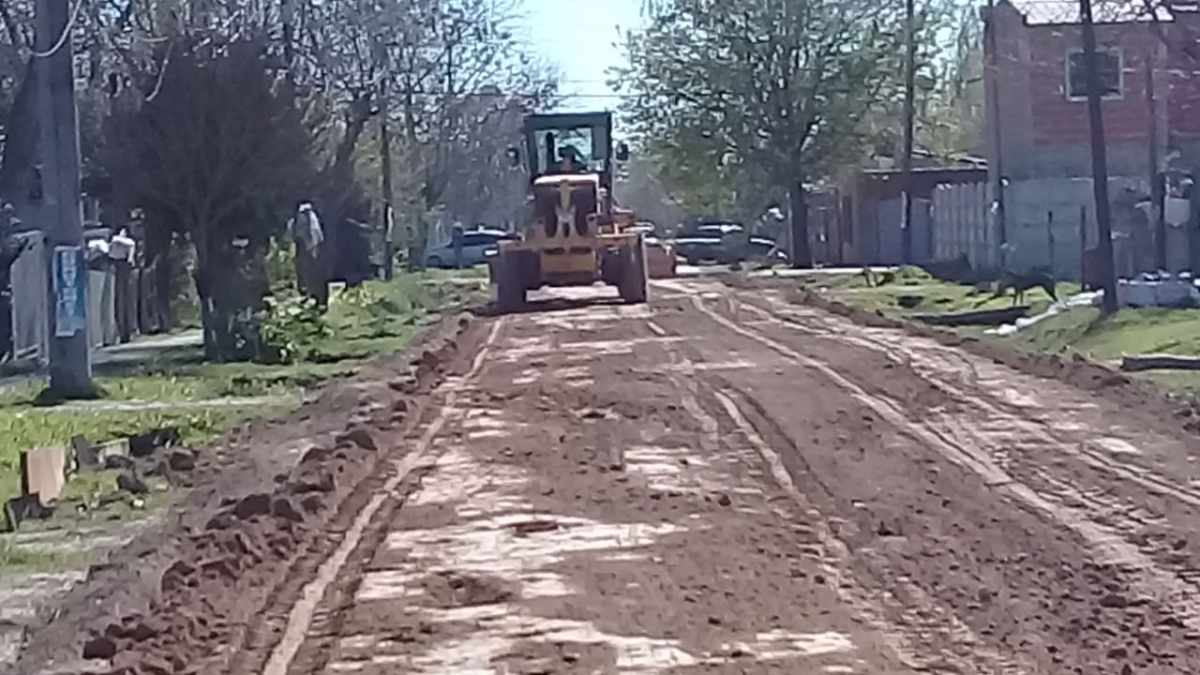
{"type": "Point", "coordinates": [70, 291]}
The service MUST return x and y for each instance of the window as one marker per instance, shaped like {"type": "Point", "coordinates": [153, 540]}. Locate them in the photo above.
{"type": "Point", "coordinates": [1109, 67]}
{"type": "Point", "coordinates": [581, 145]}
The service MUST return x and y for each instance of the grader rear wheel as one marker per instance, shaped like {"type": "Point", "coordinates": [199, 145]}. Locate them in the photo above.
{"type": "Point", "coordinates": [635, 281]}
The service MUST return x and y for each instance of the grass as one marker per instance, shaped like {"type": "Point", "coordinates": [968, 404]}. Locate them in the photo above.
{"type": "Point", "coordinates": [17, 558]}
{"type": "Point", "coordinates": [1082, 330]}
{"type": "Point", "coordinates": [377, 318]}
{"type": "Point", "coordinates": [478, 271]}
{"type": "Point", "coordinates": [934, 296]}
{"type": "Point", "coordinates": [1129, 331]}
{"type": "Point", "coordinates": [165, 381]}
{"type": "Point", "coordinates": [1151, 330]}
{"type": "Point", "coordinates": [24, 429]}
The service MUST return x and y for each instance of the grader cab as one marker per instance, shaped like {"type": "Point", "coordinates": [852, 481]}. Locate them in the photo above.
{"type": "Point", "coordinates": [574, 234]}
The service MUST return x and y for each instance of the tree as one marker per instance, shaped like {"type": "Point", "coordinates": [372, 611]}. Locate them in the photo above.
{"type": "Point", "coordinates": [441, 74]}
{"type": "Point", "coordinates": [222, 156]}
{"type": "Point", "coordinates": [340, 64]}
{"type": "Point", "coordinates": [778, 92]}
{"type": "Point", "coordinates": [481, 184]}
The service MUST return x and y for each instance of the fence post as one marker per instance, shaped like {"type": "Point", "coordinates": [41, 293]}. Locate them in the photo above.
{"type": "Point", "coordinates": [1050, 240]}
{"type": "Point", "coordinates": [1083, 247]}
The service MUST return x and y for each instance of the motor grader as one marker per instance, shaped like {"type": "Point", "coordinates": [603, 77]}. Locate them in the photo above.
{"type": "Point", "coordinates": [573, 235]}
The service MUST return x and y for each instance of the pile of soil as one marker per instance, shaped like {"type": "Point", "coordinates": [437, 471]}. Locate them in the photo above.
{"type": "Point", "coordinates": [182, 597]}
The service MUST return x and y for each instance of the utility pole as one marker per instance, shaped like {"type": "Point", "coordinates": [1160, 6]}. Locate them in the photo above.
{"type": "Point", "coordinates": [910, 76]}
{"type": "Point", "coordinates": [70, 357]}
{"type": "Point", "coordinates": [801, 249]}
{"type": "Point", "coordinates": [1106, 274]}
{"type": "Point", "coordinates": [992, 96]}
{"type": "Point", "coordinates": [287, 11]}
{"type": "Point", "coordinates": [1158, 195]}
{"type": "Point", "coordinates": [385, 158]}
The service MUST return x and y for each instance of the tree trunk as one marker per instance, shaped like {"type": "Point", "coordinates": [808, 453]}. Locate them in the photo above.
{"type": "Point", "coordinates": [158, 241]}
{"type": "Point", "coordinates": [208, 319]}
{"type": "Point", "coordinates": [801, 251]}
{"type": "Point", "coordinates": [230, 283]}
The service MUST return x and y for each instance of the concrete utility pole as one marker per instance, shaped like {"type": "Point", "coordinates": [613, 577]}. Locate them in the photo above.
{"type": "Point", "coordinates": [1106, 272]}
{"type": "Point", "coordinates": [910, 94]}
{"type": "Point", "coordinates": [70, 356]}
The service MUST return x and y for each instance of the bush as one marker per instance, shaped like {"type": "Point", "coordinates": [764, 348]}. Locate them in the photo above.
{"type": "Point", "coordinates": [281, 266]}
{"type": "Point", "coordinates": [290, 326]}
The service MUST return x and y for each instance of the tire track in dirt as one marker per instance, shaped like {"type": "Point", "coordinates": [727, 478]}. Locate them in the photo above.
{"type": "Point", "coordinates": [995, 406]}
{"type": "Point", "coordinates": [920, 640]}
{"type": "Point", "coordinates": [301, 616]}
{"type": "Point", "coordinates": [1171, 573]}
{"type": "Point", "coordinates": [611, 524]}
{"type": "Point", "coordinates": [1138, 585]}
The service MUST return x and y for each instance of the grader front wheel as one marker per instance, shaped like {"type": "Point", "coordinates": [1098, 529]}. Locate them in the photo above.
{"type": "Point", "coordinates": [635, 281]}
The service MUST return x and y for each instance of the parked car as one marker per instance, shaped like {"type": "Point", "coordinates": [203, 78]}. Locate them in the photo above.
{"type": "Point", "coordinates": [713, 242]}
{"type": "Point", "coordinates": [475, 246]}
{"type": "Point", "coordinates": [707, 226]}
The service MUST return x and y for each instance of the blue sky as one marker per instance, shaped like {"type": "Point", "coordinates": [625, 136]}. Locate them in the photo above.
{"type": "Point", "coordinates": [578, 35]}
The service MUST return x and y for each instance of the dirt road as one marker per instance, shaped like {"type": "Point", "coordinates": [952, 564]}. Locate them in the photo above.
{"type": "Point", "coordinates": [723, 482]}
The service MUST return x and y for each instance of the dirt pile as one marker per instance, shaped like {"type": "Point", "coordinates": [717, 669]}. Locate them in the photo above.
{"type": "Point", "coordinates": [197, 585]}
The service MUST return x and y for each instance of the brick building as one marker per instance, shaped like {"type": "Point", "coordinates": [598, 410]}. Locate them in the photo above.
{"type": "Point", "coordinates": [1040, 129]}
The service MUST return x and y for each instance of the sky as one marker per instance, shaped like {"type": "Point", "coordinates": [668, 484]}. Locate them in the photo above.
{"type": "Point", "coordinates": [578, 35]}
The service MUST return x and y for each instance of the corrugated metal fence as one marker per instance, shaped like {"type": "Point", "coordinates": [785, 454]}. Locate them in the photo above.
{"type": "Point", "coordinates": [30, 281]}
{"type": "Point", "coordinates": [1045, 219]}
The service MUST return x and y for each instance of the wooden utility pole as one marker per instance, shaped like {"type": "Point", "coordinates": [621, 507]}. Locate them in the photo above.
{"type": "Point", "coordinates": [996, 164]}
{"type": "Point", "coordinates": [385, 158]}
{"type": "Point", "coordinates": [1105, 274]}
{"type": "Point", "coordinates": [801, 250]}
{"type": "Point", "coordinates": [287, 11]}
{"type": "Point", "coordinates": [70, 356]}
{"type": "Point", "coordinates": [910, 76]}
{"type": "Point", "coordinates": [1158, 216]}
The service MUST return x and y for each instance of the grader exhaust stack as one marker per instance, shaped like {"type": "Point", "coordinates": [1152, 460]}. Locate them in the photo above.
{"type": "Point", "coordinates": [574, 236]}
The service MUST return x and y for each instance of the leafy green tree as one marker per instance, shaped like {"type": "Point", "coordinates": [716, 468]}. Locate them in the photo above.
{"type": "Point", "coordinates": [758, 97]}
{"type": "Point", "coordinates": [953, 117]}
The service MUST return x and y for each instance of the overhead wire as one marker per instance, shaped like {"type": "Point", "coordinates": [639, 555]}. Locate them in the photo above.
{"type": "Point", "coordinates": [66, 34]}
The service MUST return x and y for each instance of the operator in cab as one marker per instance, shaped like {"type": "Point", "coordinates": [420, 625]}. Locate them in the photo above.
{"type": "Point", "coordinates": [570, 161]}
{"type": "Point", "coordinates": [567, 159]}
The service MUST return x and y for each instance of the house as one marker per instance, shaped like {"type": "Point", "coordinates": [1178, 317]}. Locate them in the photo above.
{"type": "Point", "coordinates": [856, 220]}
{"type": "Point", "coordinates": [1037, 92]}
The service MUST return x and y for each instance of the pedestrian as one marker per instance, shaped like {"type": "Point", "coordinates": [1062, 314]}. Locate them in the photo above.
{"type": "Point", "coordinates": [309, 238]}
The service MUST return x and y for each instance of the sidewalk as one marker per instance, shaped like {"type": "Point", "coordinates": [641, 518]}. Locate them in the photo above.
{"type": "Point", "coordinates": [141, 349]}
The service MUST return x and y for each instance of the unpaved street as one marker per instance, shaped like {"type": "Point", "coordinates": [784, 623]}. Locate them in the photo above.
{"type": "Point", "coordinates": [724, 482]}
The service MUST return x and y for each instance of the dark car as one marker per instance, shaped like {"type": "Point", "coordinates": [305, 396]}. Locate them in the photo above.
{"type": "Point", "coordinates": [724, 243]}
{"type": "Point", "coordinates": [705, 227]}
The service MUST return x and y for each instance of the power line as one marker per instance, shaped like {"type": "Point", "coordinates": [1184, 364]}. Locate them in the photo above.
{"type": "Point", "coordinates": [66, 33]}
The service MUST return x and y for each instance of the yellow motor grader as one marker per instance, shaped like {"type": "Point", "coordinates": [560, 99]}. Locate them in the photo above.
{"type": "Point", "coordinates": [575, 236]}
